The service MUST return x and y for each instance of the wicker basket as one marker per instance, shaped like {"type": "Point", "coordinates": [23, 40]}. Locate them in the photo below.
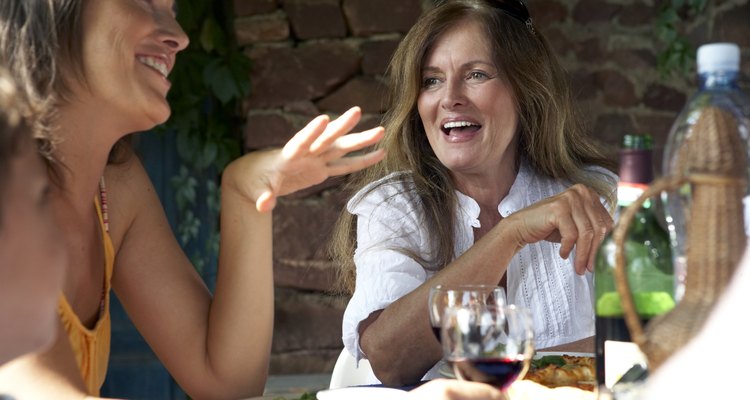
{"type": "Point", "coordinates": [715, 155]}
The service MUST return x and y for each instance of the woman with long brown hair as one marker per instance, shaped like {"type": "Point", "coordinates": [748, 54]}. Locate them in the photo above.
{"type": "Point", "coordinates": [489, 178]}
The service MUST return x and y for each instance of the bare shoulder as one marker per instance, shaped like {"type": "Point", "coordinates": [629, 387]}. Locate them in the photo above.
{"type": "Point", "coordinates": [129, 194]}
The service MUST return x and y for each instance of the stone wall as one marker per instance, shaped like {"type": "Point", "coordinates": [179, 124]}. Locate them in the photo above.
{"type": "Point", "coordinates": [323, 56]}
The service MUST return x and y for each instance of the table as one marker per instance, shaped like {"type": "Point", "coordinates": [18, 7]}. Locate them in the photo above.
{"type": "Point", "coordinates": [292, 387]}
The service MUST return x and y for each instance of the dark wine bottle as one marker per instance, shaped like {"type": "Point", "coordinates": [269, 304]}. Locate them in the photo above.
{"type": "Point", "coordinates": [649, 268]}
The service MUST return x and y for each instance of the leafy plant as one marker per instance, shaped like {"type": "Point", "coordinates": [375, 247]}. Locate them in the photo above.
{"type": "Point", "coordinates": [678, 54]}
{"type": "Point", "coordinates": [209, 80]}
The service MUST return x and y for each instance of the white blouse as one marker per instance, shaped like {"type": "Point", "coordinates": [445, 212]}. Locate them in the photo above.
{"type": "Point", "coordinates": [561, 301]}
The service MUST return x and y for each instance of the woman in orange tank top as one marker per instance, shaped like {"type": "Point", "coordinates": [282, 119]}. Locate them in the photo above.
{"type": "Point", "coordinates": [100, 68]}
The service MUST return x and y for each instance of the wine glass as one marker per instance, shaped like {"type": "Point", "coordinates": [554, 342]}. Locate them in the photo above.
{"type": "Point", "coordinates": [443, 297]}
{"type": "Point", "coordinates": [488, 343]}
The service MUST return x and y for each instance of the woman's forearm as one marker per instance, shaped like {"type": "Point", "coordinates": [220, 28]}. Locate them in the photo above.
{"type": "Point", "coordinates": [241, 316]}
{"type": "Point", "coordinates": [399, 342]}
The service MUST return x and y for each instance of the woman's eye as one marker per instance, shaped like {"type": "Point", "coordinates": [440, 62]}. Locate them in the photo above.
{"type": "Point", "coordinates": [429, 82]}
{"type": "Point", "coordinates": [477, 75]}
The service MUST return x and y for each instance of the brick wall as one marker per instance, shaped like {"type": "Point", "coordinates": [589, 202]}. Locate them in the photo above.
{"type": "Point", "coordinates": [323, 56]}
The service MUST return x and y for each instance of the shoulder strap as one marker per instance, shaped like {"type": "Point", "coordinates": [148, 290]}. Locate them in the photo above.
{"type": "Point", "coordinates": [103, 199]}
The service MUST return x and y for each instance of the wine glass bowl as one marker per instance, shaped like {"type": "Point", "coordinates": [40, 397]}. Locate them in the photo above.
{"type": "Point", "coordinates": [443, 297]}
{"type": "Point", "coordinates": [488, 343]}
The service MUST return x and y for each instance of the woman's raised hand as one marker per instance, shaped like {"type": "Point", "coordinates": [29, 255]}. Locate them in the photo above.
{"type": "Point", "coordinates": [574, 217]}
{"type": "Point", "coordinates": [314, 154]}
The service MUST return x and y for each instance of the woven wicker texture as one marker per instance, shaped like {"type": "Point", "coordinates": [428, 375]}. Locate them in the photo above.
{"type": "Point", "coordinates": [715, 160]}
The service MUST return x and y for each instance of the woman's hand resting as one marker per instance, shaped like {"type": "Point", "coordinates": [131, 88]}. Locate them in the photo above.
{"type": "Point", "coordinates": [575, 217]}
{"type": "Point", "coordinates": [314, 154]}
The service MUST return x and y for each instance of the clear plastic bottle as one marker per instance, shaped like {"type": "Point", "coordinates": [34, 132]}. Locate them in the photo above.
{"type": "Point", "coordinates": [718, 74]}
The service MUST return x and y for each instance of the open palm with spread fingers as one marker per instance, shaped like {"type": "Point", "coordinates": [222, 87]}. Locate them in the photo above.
{"type": "Point", "coordinates": [315, 153]}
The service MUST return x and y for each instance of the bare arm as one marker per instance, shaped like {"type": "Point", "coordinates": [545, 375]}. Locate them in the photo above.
{"type": "Point", "coordinates": [220, 347]}
{"type": "Point", "coordinates": [403, 328]}
{"type": "Point", "coordinates": [398, 341]}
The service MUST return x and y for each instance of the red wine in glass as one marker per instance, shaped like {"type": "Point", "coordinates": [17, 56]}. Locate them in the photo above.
{"type": "Point", "coordinates": [498, 372]}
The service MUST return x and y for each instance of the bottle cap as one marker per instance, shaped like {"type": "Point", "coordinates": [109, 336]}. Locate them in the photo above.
{"type": "Point", "coordinates": [715, 57]}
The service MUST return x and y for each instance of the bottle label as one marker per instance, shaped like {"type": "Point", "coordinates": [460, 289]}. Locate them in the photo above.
{"type": "Point", "coordinates": [620, 357]}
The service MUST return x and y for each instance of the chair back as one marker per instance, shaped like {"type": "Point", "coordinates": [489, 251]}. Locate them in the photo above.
{"type": "Point", "coordinates": [346, 373]}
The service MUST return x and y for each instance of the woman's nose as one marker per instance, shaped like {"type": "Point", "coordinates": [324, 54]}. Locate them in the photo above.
{"type": "Point", "coordinates": [172, 34]}
{"type": "Point", "coordinates": [453, 94]}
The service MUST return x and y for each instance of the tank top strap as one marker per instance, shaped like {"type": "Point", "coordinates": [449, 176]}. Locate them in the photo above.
{"type": "Point", "coordinates": [103, 200]}
{"type": "Point", "coordinates": [92, 346]}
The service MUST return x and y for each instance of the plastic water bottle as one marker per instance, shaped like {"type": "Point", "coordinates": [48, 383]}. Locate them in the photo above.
{"type": "Point", "coordinates": [718, 73]}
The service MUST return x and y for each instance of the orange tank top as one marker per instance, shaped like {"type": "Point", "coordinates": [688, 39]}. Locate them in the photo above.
{"type": "Point", "coordinates": [91, 346]}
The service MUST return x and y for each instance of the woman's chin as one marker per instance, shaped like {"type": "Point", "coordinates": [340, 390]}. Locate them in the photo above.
{"type": "Point", "coordinates": [156, 117]}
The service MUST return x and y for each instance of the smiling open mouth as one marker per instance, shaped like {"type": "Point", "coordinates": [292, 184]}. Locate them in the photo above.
{"type": "Point", "coordinates": [460, 127]}
{"type": "Point", "coordinates": [155, 64]}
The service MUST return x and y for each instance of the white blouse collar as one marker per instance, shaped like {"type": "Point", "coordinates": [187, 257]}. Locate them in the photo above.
{"type": "Point", "coordinates": [514, 201]}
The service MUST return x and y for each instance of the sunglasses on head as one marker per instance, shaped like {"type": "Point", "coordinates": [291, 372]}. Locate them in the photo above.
{"type": "Point", "coordinates": [516, 9]}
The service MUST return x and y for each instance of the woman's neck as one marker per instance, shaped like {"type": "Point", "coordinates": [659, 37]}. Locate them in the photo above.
{"type": "Point", "coordinates": [84, 141]}
{"type": "Point", "coordinates": [488, 189]}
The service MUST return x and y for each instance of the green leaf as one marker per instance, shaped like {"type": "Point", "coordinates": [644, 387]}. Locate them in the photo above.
{"type": "Point", "coordinates": [188, 227]}
{"type": "Point", "coordinates": [218, 77]}
{"type": "Point", "coordinates": [548, 360]}
{"type": "Point", "coordinates": [212, 37]}
{"type": "Point", "coordinates": [207, 156]}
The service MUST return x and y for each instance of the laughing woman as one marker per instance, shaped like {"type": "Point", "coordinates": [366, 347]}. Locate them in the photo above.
{"type": "Point", "coordinates": [99, 67]}
{"type": "Point", "coordinates": [488, 179]}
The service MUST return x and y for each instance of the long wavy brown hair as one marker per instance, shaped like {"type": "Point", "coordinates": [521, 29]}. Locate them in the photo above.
{"type": "Point", "coordinates": [551, 134]}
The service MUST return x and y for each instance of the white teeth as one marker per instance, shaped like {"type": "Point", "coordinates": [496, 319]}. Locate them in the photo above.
{"type": "Point", "coordinates": [155, 63]}
{"type": "Point", "coordinates": [458, 124]}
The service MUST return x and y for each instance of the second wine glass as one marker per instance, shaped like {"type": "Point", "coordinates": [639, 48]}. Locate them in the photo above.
{"type": "Point", "coordinates": [487, 343]}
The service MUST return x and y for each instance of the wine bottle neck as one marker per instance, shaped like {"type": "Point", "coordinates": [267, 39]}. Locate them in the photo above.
{"type": "Point", "coordinates": [636, 166]}
{"type": "Point", "coordinates": [636, 173]}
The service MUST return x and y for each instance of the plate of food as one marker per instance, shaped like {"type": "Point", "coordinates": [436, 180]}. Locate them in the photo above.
{"type": "Point", "coordinates": [556, 369]}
